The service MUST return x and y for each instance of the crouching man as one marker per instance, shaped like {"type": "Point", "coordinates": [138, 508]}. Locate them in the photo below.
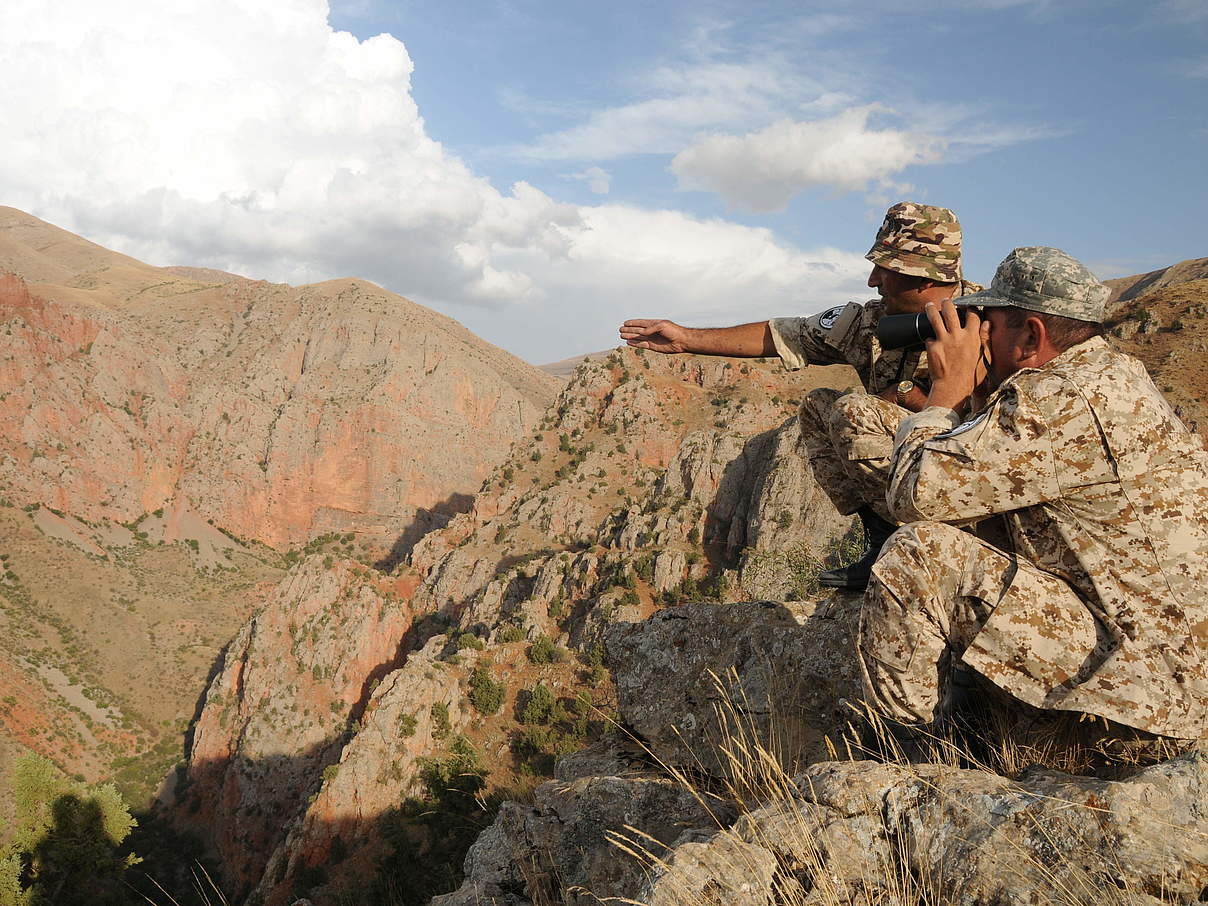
{"type": "Point", "coordinates": [1101, 607]}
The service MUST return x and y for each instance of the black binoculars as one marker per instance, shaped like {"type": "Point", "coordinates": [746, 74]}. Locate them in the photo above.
{"type": "Point", "coordinates": [901, 331]}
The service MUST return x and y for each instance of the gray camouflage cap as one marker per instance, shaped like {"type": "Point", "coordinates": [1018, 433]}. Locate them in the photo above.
{"type": "Point", "coordinates": [1044, 280]}
{"type": "Point", "coordinates": [921, 240]}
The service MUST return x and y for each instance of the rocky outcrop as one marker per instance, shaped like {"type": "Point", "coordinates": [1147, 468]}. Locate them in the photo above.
{"type": "Point", "coordinates": [830, 831]}
{"type": "Point", "coordinates": [374, 772]}
{"type": "Point", "coordinates": [570, 842]}
{"type": "Point", "coordinates": [865, 832]}
{"type": "Point", "coordinates": [781, 670]}
{"type": "Point", "coordinates": [279, 413]}
{"type": "Point", "coordinates": [604, 509]}
{"type": "Point", "coordinates": [292, 684]}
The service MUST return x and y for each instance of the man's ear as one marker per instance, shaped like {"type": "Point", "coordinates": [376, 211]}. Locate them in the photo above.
{"type": "Point", "coordinates": [1033, 339]}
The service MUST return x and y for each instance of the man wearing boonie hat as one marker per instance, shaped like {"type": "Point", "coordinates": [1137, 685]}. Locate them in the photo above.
{"type": "Point", "coordinates": [1100, 606]}
{"type": "Point", "coordinates": [848, 437]}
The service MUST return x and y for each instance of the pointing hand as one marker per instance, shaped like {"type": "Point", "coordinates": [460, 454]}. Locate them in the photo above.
{"type": "Point", "coordinates": [654, 334]}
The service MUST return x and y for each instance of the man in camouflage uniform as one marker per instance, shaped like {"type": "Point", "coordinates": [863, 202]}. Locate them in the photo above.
{"type": "Point", "coordinates": [848, 438]}
{"type": "Point", "coordinates": [1100, 608]}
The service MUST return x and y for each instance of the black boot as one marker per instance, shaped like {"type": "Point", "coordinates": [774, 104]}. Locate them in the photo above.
{"type": "Point", "coordinates": [855, 576]}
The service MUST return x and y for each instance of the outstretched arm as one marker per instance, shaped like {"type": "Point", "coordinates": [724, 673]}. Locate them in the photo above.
{"type": "Point", "coordinates": [743, 340]}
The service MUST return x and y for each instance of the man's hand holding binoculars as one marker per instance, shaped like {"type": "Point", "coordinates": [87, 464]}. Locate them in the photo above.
{"type": "Point", "coordinates": [958, 356]}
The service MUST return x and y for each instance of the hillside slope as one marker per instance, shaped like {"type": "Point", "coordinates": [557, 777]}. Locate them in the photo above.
{"type": "Point", "coordinates": [651, 480]}
{"type": "Point", "coordinates": [279, 413]}
{"type": "Point", "coordinates": [170, 440]}
{"type": "Point", "coordinates": [1160, 318]}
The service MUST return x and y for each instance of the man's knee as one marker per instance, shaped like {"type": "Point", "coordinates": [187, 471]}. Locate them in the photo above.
{"type": "Point", "coordinates": [926, 538]}
{"type": "Point", "coordinates": [815, 410]}
{"type": "Point", "coordinates": [916, 551]}
{"type": "Point", "coordinates": [862, 426]}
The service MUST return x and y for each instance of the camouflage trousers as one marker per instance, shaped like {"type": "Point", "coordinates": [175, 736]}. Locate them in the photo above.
{"type": "Point", "coordinates": [848, 439]}
{"type": "Point", "coordinates": [940, 595]}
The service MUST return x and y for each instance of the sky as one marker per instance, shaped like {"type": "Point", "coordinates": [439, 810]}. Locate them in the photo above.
{"type": "Point", "coordinates": [541, 170]}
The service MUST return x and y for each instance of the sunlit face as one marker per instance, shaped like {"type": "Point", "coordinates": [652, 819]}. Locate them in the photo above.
{"type": "Point", "coordinates": [903, 294]}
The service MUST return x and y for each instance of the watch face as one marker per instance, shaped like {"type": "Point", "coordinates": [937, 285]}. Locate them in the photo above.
{"type": "Point", "coordinates": [905, 386]}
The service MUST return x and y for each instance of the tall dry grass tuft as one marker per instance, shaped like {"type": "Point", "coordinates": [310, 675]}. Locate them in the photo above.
{"type": "Point", "coordinates": [784, 849]}
{"type": "Point", "coordinates": [205, 887]}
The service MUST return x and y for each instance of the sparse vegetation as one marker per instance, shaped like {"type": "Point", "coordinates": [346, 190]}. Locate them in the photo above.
{"type": "Point", "coordinates": [434, 829]}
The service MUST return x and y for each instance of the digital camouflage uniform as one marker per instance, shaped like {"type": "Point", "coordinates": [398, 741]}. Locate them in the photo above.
{"type": "Point", "coordinates": [1101, 607]}
{"type": "Point", "coordinates": [848, 438]}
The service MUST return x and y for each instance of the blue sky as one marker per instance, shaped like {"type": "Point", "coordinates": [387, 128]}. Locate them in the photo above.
{"type": "Point", "coordinates": [541, 170]}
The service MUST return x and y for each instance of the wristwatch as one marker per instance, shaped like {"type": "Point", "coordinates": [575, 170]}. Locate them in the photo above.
{"type": "Point", "coordinates": [903, 388]}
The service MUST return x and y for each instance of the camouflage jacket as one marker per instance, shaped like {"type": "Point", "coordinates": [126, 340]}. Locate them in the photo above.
{"type": "Point", "coordinates": [847, 335]}
{"type": "Point", "coordinates": [1102, 486]}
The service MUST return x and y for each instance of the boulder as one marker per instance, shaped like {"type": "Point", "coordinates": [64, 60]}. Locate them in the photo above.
{"type": "Point", "coordinates": [692, 679]}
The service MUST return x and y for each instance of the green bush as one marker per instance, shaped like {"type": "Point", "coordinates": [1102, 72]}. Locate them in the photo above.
{"type": "Point", "coordinates": [433, 829]}
{"type": "Point", "coordinates": [486, 695]}
{"type": "Point", "coordinates": [513, 633]}
{"type": "Point", "coordinates": [539, 707]}
{"type": "Point", "coordinates": [407, 725]}
{"type": "Point", "coordinates": [544, 651]}
{"type": "Point", "coordinates": [469, 640]}
{"type": "Point", "coordinates": [440, 720]}
{"type": "Point", "coordinates": [64, 842]}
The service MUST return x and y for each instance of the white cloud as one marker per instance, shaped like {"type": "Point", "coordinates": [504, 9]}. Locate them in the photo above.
{"type": "Point", "coordinates": [677, 102]}
{"type": "Point", "coordinates": [248, 135]}
{"type": "Point", "coordinates": [598, 180]}
{"type": "Point", "coordinates": [762, 170]}
{"type": "Point", "coordinates": [251, 136]}
{"type": "Point", "coordinates": [629, 263]}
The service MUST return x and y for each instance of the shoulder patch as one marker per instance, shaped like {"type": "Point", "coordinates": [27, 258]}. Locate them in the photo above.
{"type": "Point", "coordinates": [964, 426]}
{"type": "Point", "coordinates": [827, 319]}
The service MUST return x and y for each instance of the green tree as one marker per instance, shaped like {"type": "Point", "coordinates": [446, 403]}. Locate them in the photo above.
{"type": "Point", "coordinates": [64, 847]}
{"type": "Point", "coordinates": [539, 707]}
{"type": "Point", "coordinates": [434, 829]}
{"type": "Point", "coordinates": [486, 695]}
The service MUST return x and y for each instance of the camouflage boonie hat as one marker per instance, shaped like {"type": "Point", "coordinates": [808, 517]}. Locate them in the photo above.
{"type": "Point", "coordinates": [920, 240]}
{"type": "Point", "coordinates": [1044, 280]}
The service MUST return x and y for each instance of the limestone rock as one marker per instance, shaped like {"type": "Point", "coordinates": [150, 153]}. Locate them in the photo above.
{"type": "Point", "coordinates": [788, 665]}
{"type": "Point", "coordinates": [867, 832]}
{"type": "Point", "coordinates": [376, 770]}
{"type": "Point", "coordinates": [560, 849]}
{"type": "Point", "coordinates": [279, 710]}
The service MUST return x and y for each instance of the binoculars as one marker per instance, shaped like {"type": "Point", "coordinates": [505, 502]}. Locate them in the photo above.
{"type": "Point", "coordinates": [901, 331]}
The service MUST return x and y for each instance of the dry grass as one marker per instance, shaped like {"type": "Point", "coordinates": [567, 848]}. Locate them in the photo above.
{"type": "Point", "coordinates": [204, 886]}
{"type": "Point", "coordinates": [780, 849]}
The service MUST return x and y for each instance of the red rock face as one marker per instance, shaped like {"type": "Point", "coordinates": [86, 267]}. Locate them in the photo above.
{"type": "Point", "coordinates": [279, 413]}
{"type": "Point", "coordinates": [294, 681]}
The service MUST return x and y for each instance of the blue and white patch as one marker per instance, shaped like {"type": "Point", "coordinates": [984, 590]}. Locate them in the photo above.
{"type": "Point", "coordinates": [828, 318]}
{"type": "Point", "coordinates": [964, 426]}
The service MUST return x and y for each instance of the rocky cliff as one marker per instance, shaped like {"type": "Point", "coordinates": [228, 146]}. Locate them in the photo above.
{"type": "Point", "coordinates": [649, 481]}
{"type": "Point", "coordinates": [1160, 318]}
{"type": "Point", "coordinates": [278, 413]}
{"type": "Point", "coordinates": [170, 439]}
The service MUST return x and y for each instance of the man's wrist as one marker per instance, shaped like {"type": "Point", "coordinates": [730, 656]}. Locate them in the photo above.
{"type": "Point", "coordinates": [953, 398]}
